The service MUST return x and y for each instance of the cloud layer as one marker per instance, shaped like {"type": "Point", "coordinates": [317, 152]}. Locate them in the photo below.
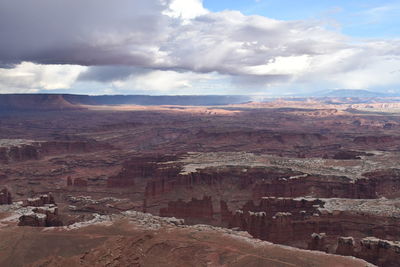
{"type": "Point", "coordinates": [172, 46]}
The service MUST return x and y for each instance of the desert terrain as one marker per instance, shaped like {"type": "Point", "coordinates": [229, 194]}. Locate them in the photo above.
{"type": "Point", "coordinates": [285, 182]}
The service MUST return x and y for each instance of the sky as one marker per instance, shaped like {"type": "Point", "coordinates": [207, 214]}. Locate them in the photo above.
{"type": "Point", "coordinates": [185, 47]}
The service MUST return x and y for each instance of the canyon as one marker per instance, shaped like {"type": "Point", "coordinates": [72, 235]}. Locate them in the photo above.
{"type": "Point", "coordinates": [275, 183]}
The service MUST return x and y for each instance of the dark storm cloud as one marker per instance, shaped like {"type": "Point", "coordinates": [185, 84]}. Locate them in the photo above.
{"type": "Point", "coordinates": [257, 80]}
{"type": "Point", "coordinates": [133, 37]}
{"type": "Point", "coordinates": [137, 33]}
{"type": "Point", "coordinates": [89, 32]}
{"type": "Point", "coordinates": [110, 73]}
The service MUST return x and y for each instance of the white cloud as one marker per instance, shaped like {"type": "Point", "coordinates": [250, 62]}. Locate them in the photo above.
{"type": "Point", "coordinates": [292, 65]}
{"type": "Point", "coordinates": [29, 77]}
{"type": "Point", "coordinates": [378, 73]}
{"type": "Point", "coordinates": [185, 9]}
{"type": "Point", "coordinates": [164, 82]}
{"type": "Point", "coordinates": [379, 13]}
{"type": "Point", "coordinates": [167, 45]}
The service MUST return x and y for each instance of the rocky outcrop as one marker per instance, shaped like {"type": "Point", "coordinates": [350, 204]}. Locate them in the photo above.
{"type": "Point", "coordinates": [345, 246]}
{"type": "Point", "coordinates": [19, 153]}
{"type": "Point", "coordinates": [125, 178]}
{"type": "Point", "coordinates": [79, 182]}
{"type": "Point", "coordinates": [299, 207]}
{"type": "Point", "coordinates": [381, 252]}
{"type": "Point", "coordinates": [15, 150]}
{"type": "Point", "coordinates": [40, 201]}
{"type": "Point", "coordinates": [374, 140]}
{"type": "Point", "coordinates": [69, 181]}
{"type": "Point", "coordinates": [42, 212]}
{"type": "Point", "coordinates": [196, 210]}
{"type": "Point", "coordinates": [317, 242]}
{"type": "Point", "coordinates": [292, 221]}
{"type": "Point", "coordinates": [386, 181]}
{"type": "Point", "coordinates": [33, 219]}
{"type": "Point", "coordinates": [317, 186]}
{"type": "Point", "coordinates": [348, 155]}
{"type": "Point", "coordinates": [146, 168]}
{"type": "Point", "coordinates": [158, 178]}
{"type": "Point", "coordinates": [377, 251]}
{"type": "Point", "coordinates": [265, 181]}
{"type": "Point", "coordinates": [44, 216]}
{"type": "Point", "coordinates": [279, 220]}
{"type": "Point", "coordinates": [5, 197]}
{"type": "Point", "coordinates": [73, 146]}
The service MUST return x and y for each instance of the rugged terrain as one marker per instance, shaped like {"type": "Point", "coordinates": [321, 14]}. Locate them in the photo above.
{"type": "Point", "coordinates": [312, 174]}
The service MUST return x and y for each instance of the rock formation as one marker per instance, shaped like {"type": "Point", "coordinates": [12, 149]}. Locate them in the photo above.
{"type": "Point", "coordinates": [381, 252]}
{"type": "Point", "coordinates": [80, 182]}
{"type": "Point", "coordinates": [40, 201]}
{"type": "Point", "coordinates": [194, 210]}
{"type": "Point", "coordinates": [43, 212]}
{"type": "Point", "coordinates": [22, 150]}
{"type": "Point", "coordinates": [317, 242]}
{"type": "Point", "coordinates": [5, 197]}
{"type": "Point", "coordinates": [387, 182]}
{"type": "Point", "coordinates": [378, 251]}
{"type": "Point", "coordinates": [345, 246]}
{"type": "Point", "coordinates": [69, 181]}
{"type": "Point", "coordinates": [33, 219]}
{"type": "Point", "coordinates": [19, 152]}
{"type": "Point", "coordinates": [44, 216]}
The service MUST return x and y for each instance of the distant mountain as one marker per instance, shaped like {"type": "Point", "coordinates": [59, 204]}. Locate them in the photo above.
{"type": "Point", "coordinates": [351, 93]}
{"type": "Point", "coordinates": [184, 100]}
{"type": "Point", "coordinates": [10, 102]}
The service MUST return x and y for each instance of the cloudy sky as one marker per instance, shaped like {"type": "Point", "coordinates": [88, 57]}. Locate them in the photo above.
{"type": "Point", "coordinates": [268, 47]}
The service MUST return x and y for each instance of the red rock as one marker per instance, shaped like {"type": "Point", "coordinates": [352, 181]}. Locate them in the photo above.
{"type": "Point", "coordinates": [33, 219]}
{"type": "Point", "coordinates": [317, 242]}
{"type": "Point", "coordinates": [146, 168]}
{"type": "Point", "coordinates": [381, 252]}
{"type": "Point", "coordinates": [80, 182]}
{"type": "Point", "coordinates": [35, 150]}
{"type": "Point", "coordinates": [40, 201]}
{"type": "Point", "coordinates": [45, 213]}
{"type": "Point", "coordinates": [19, 153]}
{"type": "Point", "coordinates": [386, 181]}
{"type": "Point", "coordinates": [5, 197]}
{"type": "Point", "coordinates": [69, 181]}
{"type": "Point", "coordinates": [192, 211]}
{"type": "Point", "coordinates": [345, 246]}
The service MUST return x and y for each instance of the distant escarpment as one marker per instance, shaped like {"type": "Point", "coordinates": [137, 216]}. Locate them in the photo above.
{"type": "Point", "coordinates": [45, 102]}
{"type": "Point", "coordinates": [35, 102]}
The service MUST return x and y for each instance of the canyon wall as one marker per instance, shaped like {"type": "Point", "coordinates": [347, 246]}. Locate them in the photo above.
{"type": "Point", "coordinates": [34, 150]}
